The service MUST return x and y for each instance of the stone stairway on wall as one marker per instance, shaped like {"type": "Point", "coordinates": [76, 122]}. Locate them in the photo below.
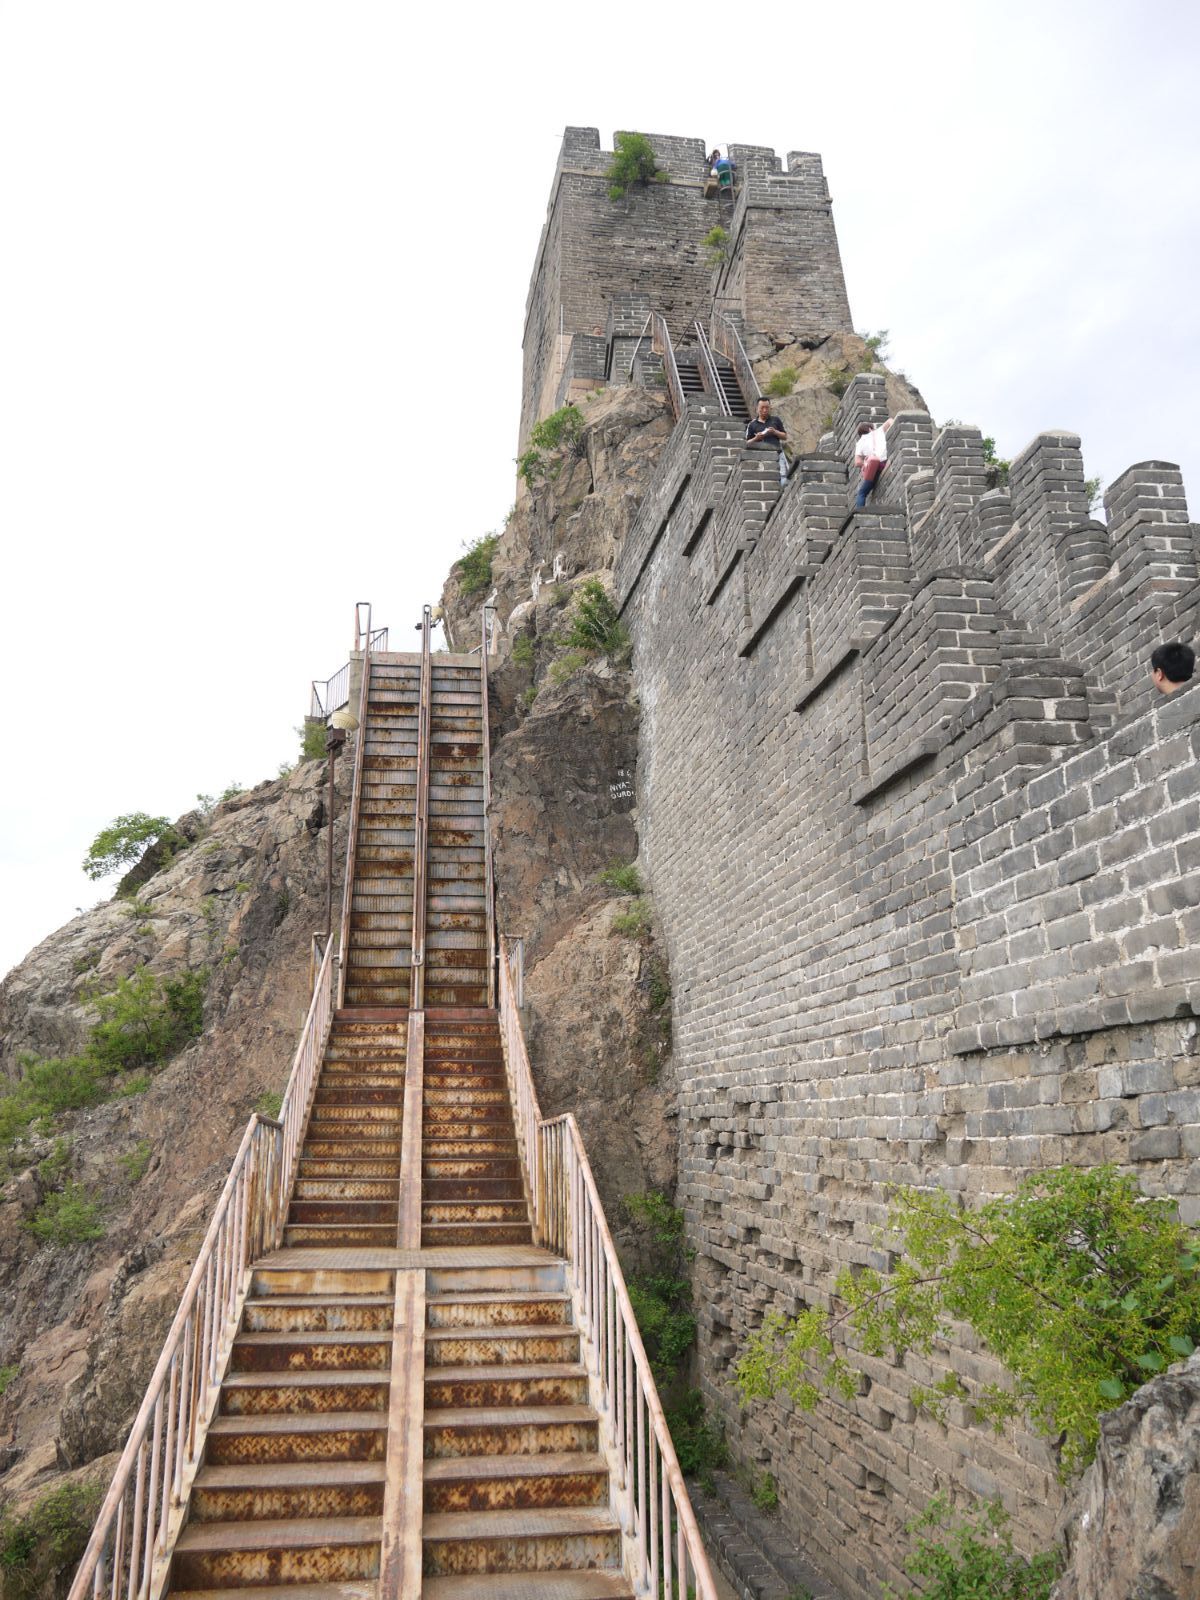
{"type": "Point", "coordinates": [356, 1442]}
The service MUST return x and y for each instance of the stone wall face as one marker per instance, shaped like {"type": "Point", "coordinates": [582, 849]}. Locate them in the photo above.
{"type": "Point", "coordinates": [783, 273]}
{"type": "Point", "coordinates": [926, 854]}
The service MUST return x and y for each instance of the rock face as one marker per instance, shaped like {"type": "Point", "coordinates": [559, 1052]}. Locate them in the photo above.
{"type": "Point", "coordinates": [563, 772]}
{"type": "Point", "coordinates": [807, 408]}
{"type": "Point", "coordinates": [1135, 1531]}
{"type": "Point", "coordinates": [83, 1323]}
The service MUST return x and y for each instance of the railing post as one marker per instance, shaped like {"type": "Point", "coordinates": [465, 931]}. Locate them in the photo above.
{"type": "Point", "coordinates": [416, 994]}
{"type": "Point", "coordinates": [489, 884]}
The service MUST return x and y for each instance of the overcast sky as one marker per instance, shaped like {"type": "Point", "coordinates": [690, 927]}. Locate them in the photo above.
{"type": "Point", "coordinates": [263, 267]}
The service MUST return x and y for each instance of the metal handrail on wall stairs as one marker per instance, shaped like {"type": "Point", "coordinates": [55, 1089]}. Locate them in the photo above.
{"type": "Point", "coordinates": [727, 341]}
{"type": "Point", "coordinates": [662, 1537]}
{"type": "Point", "coordinates": [355, 800]}
{"type": "Point", "coordinates": [712, 378]}
{"type": "Point", "coordinates": [416, 994]}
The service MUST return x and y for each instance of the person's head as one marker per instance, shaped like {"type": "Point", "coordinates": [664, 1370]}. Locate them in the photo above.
{"type": "Point", "coordinates": [715, 157]}
{"type": "Point", "coordinates": [864, 428]}
{"type": "Point", "coordinates": [1171, 665]}
{"type": "Point", "coordinates": [764, 408]}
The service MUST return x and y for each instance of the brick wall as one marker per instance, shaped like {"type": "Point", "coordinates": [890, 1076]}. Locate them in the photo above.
{"type": "Point", "coordinates": [926, 855]}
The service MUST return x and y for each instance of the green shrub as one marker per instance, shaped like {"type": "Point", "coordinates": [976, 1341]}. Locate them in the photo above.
{"type": "Point", "coordinates": [312, 733]}
{"type": "Point", "coordinates": [523, 652]}
{"type": "Point", "coordinates": [634, 923]}
{"type": "Point", "coordinates": [838, 379]}
{"type": "Point", "coordinates": [269, 1104]}
{"type": "Point", "coordinates": [134, 1162]}
{"type": "Point", "coordinates": [699, 1445]}
{"type": "Point", "coordinates": [593, 624]}
{"type": "Point", "coordinates": [147, 1018]}
{"type": "Point", "coordinates": [998, 470]}
{"type": "Point", "coordinates": [782, 382]}
{"type": "Point", "coordinates": [39, 1549]}
{"type": "Point", "coordinates": [971, 1557]}
{"type": "Point", "coordinates": [64, 1083]}
{"type": "Point", "coordinates": [624, 879]}
{"type": "Point", "coordinates": [1094, 489]}
{"type": "Point", "coordinates": [7, 1374]}
{"type": "Point", "coordinates": [561, 430]}
{"type": "Point", "coordinates": [765, 1493]}
{"type": "Point", "coordinates": [660, 1293]}
{"type": "Point", "coordinates": [125, 841]}
{"type": "Point", "coordinates": [633, 164]}
{"type": "Point", "coordinates": [67, 1216]}
{"type": "Point", "coordinates": [716, 246]}
{"type": "Point", "coordinates": [877, 344]}
{"type": "Point", "coordinates": [475, 568]}
{"type": "Point", "coordinates": [1081, 1286]}
{"type": "Point", "coordinates": [134, 1083]}
{"type": "Point", "coordinates": [57, 1164]}
{"type": "Point", "coordinates": [567, 665]}
{"type": "Point", "coordinates": [526, 697]}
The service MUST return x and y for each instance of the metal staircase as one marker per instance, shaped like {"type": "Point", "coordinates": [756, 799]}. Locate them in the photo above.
{"type": "Point", "coordinates": [405, 1362]}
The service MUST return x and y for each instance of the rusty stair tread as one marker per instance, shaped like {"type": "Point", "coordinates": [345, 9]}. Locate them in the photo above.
{"type": "Point", "coordinates": [342, 1378]}
{"type": "Point", "coordinates": [599, 1584]}
{"type": "Point", "coordinates": [297, 1336]}
{"type": "Point", "coordinates": [520, 1371]}
{"type": "Point", "coordinates": [293, 1474]}
{"type": "Point", "coordinates": [494, 1331]}
{"type": "Point", "coordinates": [500, 1297]}
{"type": "Point", "coordinates": [292, 1534]}
{"type": "Point", "coordinates": [553, 1522]}
{"type": "Point", "coordinates": [447, 1469]}
{"type": "Point", "coordinates": [302, 1422]}
{"type": "Point", "coordinates": [481, 1417]}
{"type": "Point", "coordinates": [322, 1302]}
{"type": "Point", "coordinates": [359, 1589]}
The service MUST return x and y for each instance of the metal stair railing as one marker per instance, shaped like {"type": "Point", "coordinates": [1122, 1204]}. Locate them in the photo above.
{"type": "Point", "coordinates": [651, 1497]}
{"type": "Point", "coordinates": [364, 639]}
{"type": "Point", "coordinates": [489, 883]}
{"type": "Point", "coordinates": [139, 1520]}
{"type": "Point", "coordinates": [708, 369]}
{"type": "Point", "coordinates": [416, 991]}
{"type": "Point", "coordinates": [727, 341]}
{"type": "Point", "coordinates": [661, 345]}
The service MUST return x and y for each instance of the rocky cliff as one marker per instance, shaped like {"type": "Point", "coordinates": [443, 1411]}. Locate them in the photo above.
{"type": "Point", "coordinates": [81, 1323]}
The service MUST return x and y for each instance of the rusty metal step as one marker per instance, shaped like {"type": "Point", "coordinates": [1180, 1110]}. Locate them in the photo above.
{"type": "Point", "coordinates": [491, 1309]}
{"type": "Point", "coordinates": [362, 1169]}
{"type": "Point", "coordinates": [473, 1212]}
{"type": "Point", "coordinates": [553, 1539]}
{"type": "Point", "coordinates": [458, 1191]}
{"type": "Point", "coordinates": [386, 1092]}
{"type": "Point", "coordinates": [309, 1436]}
{"type": "Point", "coordinates": [516, 1430]}
{"type": "Point", "coordinates": [463, 1095]}
{"type": "Point", "coordinates": [514, 1344]}
{"type": "Point", "coordinates": [471, 1141]}
{"type": "Point", "coordinates": [547, 1384]}
{"type": "Point", "coordinates": [345, 1283]}
{"type": "Point", "coordinates": [348, 1211]}
{"type": "Point", "coordinates": [361, 1589]}
{"type": "Point", "coordinates": [388, 1111]}
{"type": "Point", "coordinates": [601, 1584]}
{"type": "Point", "coordinates": [471, 1160]}
{"type": "Point", "coordinates": [376, 994]}
{"type": "Point", "coordinates": [287, 1491]}
{"type": "Point", "coordinates": [456, 994]}
{"type": "Point", "coordinates": [246, 1394]}
{"type": "Point", "coordinates": [356, 1188]}
{"type": "Point", "coordinates": [515, 1483]}
{"type": "Point", "coordinates": [435, 1235]}
{"type": "Point", "coordinates": [304, 1350]}
{"type": "Point", "coordinates": [376, 1146]}
{"type": "Point", "coordinates": [316, 1313]}
{"type": "Point", "coordinates": [218, 1554]}
{"type": "Point", "coordinates": [342, 1235]}
{"type": "Point", "coordinates": [490, 1112]}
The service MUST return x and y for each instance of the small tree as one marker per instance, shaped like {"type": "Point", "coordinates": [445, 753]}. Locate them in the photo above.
{"type": "Point", "coordinates": [126, 840]}
{"type": "Point", "coordinates": [1081, 1286]}
{"type": "Point", "coordinates": [633, 163]}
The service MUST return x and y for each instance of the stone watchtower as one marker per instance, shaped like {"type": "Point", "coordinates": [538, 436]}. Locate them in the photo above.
{"type": "Point", "coordinates": [601, 263]}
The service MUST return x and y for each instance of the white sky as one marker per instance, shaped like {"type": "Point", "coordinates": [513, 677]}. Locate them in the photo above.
{"type": "Point", "coordinates": [263, 267]}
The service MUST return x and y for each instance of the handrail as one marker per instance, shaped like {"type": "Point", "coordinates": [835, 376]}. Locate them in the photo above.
{"type": "Point", "coordinates": [637, 347]}
{"type": "Point", "coordinates": [489, 885]}
{"type": "Point", "coordinates": [360, 747]}
{"type": "Point", "coordinates": [661, 345]}
{"type": "Point", "coordinates": [656, 1513]}
{"type": "Point", "coordinates": [728, 342]}
{"type": "Point", "coordinates": [138, 1522]}
{"type": "Point", "coordinates": [712, 378]}
{"type": "Point", "coordinates": [416, 996]}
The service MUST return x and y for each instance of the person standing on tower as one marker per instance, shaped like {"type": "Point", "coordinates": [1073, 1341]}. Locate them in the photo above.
{"type": "Point", "coordinates": [767, 429]}
{"type": "Point", "coordinates": [870, 457]}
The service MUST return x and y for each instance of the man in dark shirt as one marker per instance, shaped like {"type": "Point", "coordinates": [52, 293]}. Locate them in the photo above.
{"type": "Point", "coordinates": [766, 429]}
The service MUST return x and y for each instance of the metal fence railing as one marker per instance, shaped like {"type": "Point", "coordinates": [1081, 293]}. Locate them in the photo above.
{"type": "Point", "coordinates": [331, 694]}
{"type": "Point", "coordinates": [649, 1491]}
{"type": "Point", "coordinates": [140, 1516]}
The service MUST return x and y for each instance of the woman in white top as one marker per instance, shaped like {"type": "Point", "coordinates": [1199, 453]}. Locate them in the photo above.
{"type": "Point", "coordinates": [870, 457]}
